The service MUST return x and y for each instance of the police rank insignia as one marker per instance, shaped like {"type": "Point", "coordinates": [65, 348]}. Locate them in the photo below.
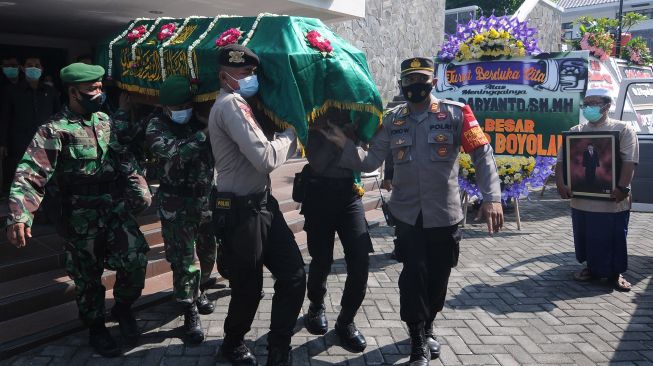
{"type": "Point", "coordinates": [236, 57]}
{"type": "Point", "coordinates": [434, 107]}
{"type": "Point", "coordinates": [440, 137]}
{"type": "Point", "coordinates": [441, 116]}
{"type": "Point", "coordinates": [415, 63]}
{"type": "Point", "coordinates": [443, 151]}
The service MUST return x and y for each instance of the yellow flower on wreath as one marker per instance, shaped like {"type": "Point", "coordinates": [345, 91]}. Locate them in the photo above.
{"type": "Point", "coordinates": [478, 38]}
{"type": "Point", "coordinates": [493, 33]}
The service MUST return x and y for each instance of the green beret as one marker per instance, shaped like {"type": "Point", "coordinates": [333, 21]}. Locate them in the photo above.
{"type": "Point", "coordinates": [175, 90]}
{"type": "Point", "coordinates": [81, 73]}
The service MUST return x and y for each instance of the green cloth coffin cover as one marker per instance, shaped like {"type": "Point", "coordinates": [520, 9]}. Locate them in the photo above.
{"type": "Point", "coordinates": [305, 68]}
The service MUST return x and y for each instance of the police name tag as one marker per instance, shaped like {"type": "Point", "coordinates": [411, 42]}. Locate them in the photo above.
{"type": "Point", "coordinates": [223, 203]}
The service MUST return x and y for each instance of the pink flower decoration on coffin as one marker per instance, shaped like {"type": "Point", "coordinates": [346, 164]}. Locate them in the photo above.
{"type": "Point", "coordinates": [230, 36]}
{"type": "Point", "coordinates": [136, 33]}
{"type": "Point", "coordinates": [318, 42]}
{"type": "Point", "coordinates": [166, 31]}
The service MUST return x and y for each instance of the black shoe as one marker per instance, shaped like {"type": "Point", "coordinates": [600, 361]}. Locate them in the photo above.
{"type": "Point", "coordinates": [204, 305]}
{"type": "Point", "coordinates": [238, 355]}
{"type": "Point", "coordinates": [279, 356]}
{"type": "Point", "coordinates": [192, 325]}
{"type": "Point", "coordinates": [127, 323]}
{"type": "Point", "coordinates": [350, 337]}
{"type": "Point", "coordinates": [431, 342]}
{"type": "Point", "coordinates": [419, 352]}
{"type": "Point", "coordinates": [315, 320]}
{"type": "Point", "coordinates": [101, 340]}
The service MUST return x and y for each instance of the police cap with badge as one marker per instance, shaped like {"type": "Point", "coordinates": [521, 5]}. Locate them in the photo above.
{"type": "Point", "coordinates": [417, 65]}
{"type": "Point", "coordinates": [235, 55]}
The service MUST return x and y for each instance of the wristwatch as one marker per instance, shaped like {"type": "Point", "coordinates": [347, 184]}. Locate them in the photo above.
{"type": "Point", "coordinates": [624, 190]}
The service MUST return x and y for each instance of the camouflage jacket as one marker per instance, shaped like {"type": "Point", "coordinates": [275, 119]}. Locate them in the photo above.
{"type": "Point", "coordinates": [183, 152]}
{"type": "Point", "coordinates": [76, 152]}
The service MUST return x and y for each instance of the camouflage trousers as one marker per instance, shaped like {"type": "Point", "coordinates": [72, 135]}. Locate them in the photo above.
{"type": "Point", "coordinates": [190, 243]}
{"type": "Point", "coordinates": [99, 238]}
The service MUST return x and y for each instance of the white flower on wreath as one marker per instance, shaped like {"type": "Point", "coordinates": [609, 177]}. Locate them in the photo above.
{"type": "Point", "coordinates": [517, 177]}
{"type": "Point", "coordinates": [465, 173]}
{"type": "Point", "coordinates": [507, 180]}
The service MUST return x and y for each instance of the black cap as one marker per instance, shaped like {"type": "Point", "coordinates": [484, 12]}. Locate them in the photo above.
{"type": "Point", "coordinates": [420, 65]}
{"type": "Point", "coordinates": [235, 55]}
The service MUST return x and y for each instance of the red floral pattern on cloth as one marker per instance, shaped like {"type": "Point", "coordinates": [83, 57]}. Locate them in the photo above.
{"type": "Point", "coordinates": [318, 42]}
{"type": "Point", "coordinates": [230, 36]}
{"type": "Point", "coordinates": [136, 33]}
{"type": "Point", "coordinates": [166, 31]}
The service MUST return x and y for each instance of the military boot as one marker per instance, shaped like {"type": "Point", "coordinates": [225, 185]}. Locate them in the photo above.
{"type": "Point", "coordinates": [204, 305]}
{"type": "Point", "coordinates": [101, 340]}
{"type": "Point", "coordinates": [237, 353]}
{"type": "Point", "coordinates": [128, 326]}
{"type": "Point", "coordinates": [315, 319]}
{"type": "Point", "coordinates": [279, 356]}
{"type": "Point", "coordinates": [192, 325]}
{"type": "Point", "coordinates": [434, 345]}
{"type": "Point", "coordinates": [419, 352]}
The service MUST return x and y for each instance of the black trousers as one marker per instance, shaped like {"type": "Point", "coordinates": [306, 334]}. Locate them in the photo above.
{"type": "Point", "coordinates": [260, 237]}
{"type": "Point", "coordinates": [428, 256]}
{"type": "Point", "coordinates": [331, 207]}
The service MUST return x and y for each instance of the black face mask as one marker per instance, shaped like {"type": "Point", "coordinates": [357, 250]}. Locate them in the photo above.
{"type": "Point", "coordinates": [91, 103]}
{"type": "Point", "coordinates": [417, 92]}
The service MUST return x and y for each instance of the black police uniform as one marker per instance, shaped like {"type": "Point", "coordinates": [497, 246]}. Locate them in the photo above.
{"type": "Point", "coordinates": [331, 205]}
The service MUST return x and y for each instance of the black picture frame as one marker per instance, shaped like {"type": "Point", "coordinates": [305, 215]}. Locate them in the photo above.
{"type": "Point", "coordinates": [591, 172]}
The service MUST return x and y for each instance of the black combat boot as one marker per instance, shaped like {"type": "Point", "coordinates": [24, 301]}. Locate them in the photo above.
{"type": "Point", "coordinates": [193, 325]}
{"type": "Point", "coordinates": [128, 326]}
{"type": "Point", "coordinates": [237, 353]}
{"type": "Point", "coordinates": [101, 340]}
{"type": "Point", "coordinates": [279, 356]}
{"type": "Point", "coordinates": [204, 305]}
{"type": "Point", "coordinates": [351, 338]}
{"type": "Point", "coordinates": [419, 352]}
{"type": "Point", "coordinates": [315, 319]}
{"type": "Point", "coordinates": [434, 345]}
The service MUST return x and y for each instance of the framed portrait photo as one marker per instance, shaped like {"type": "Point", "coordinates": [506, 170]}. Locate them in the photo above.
{"type": "Point", "coordinates": [591, 163]}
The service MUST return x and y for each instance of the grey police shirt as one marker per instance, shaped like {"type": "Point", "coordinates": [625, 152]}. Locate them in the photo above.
{"type": "Point", "coordinates": [425, 149]}
{"type": "Point", "coordinates": [243, 155]}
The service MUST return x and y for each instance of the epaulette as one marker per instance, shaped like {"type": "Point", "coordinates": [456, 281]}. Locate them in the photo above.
{"type": "Point", "coordinates": [448, 101]}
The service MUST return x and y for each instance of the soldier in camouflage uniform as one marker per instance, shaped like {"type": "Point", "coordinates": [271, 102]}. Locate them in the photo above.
{"type": "Point", "coordinates": [101, 193]}
{"type": "Point", "coordinates": [180, 144]}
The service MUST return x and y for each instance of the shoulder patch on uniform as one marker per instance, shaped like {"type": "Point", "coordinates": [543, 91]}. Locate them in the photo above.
{"type": "Point", "coordinates": [249, 116]}
{"type": "Point", "coordinates": [434, 107]}
{"type": "Point", "coordinates": [447, 101]}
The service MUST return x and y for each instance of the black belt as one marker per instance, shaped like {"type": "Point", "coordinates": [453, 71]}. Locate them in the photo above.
{"type": "Point", "coordinates": [255, 200]}
{"type": "Point", "coordinates": [332, 183]}
{"type": "Point", "coordinates": [185, 191]}
{"type": "Point", "coordinates": [92, 189]}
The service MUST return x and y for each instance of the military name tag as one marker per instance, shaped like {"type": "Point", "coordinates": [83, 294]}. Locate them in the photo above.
{"type": "Point", "coordinates": [223, 203]}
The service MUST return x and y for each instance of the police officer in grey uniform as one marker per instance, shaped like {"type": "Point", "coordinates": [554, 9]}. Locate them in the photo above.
{"type": "Point", "coordinates": [425, 136]}
{"type": "Point", "coordinates": [252, 228]}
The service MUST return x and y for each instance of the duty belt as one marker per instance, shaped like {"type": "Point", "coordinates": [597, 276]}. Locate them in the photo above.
{"type": "Point", "coordinates": [331, 183]}
{"type": "Point", "coordinates": [185, 191]}
{"type": "Point", "coordinates": [92, 189]}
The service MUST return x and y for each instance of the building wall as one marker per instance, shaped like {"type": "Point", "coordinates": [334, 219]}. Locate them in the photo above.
{"type": "Point", "coordinates": [547, 19]}
{"type": "Point", "coordinates": [393, 31]}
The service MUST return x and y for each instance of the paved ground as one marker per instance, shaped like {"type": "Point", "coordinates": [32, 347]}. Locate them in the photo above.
{"type": "Point", "coordinates": [512, 300]}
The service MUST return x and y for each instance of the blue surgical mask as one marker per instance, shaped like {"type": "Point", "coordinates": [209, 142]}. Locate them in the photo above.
{"type": "Point", "coordinates": [592, 113]}
{"type": "Point", "coordinates": [181, 117]}
{"type": "Point", "coordinates": [248, 86]}
{"type": "Point", "coordinates": [33, 73]}
{"type": "Point", "coordinates": [10, 72]}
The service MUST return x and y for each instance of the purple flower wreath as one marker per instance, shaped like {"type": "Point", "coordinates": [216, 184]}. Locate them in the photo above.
{"type": "Point", "coordinates": [519, 30]}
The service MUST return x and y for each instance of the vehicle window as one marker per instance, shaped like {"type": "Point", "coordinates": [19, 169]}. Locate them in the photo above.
{"type": "Point", "coordinates": [638, 107]}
